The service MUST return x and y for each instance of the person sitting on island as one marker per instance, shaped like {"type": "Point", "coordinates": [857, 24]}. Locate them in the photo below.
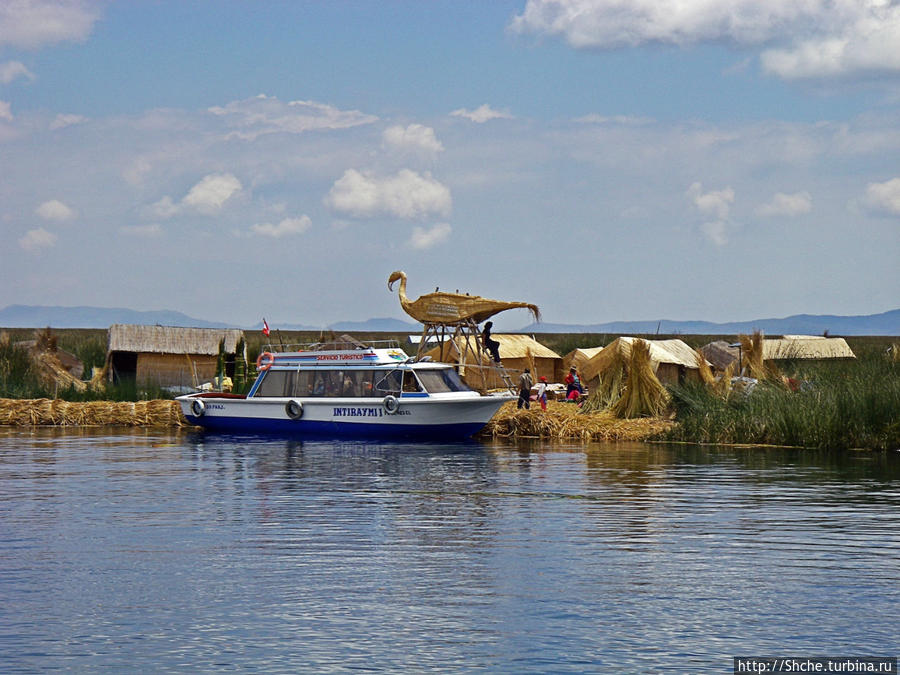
{"type": "Point", "coordinates": [491, 345]}
{"type": "Point", "coordinates": [573, 383]}
{"type": "Point", "coordinates": [525, 383]}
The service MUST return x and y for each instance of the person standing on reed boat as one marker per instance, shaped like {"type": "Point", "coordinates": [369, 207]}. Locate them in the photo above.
{"type": "Point", "coordinates": [542, 392]}
{"type": "Point", "coordinates": [525, 383]}
{"type": "Point", "coordinates": [491, 345]}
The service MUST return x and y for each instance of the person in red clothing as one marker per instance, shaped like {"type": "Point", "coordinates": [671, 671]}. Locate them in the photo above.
{"type": "Point", "coordinates": [573, 383]}
{"type": "Point", "coordinates": [542, 392]}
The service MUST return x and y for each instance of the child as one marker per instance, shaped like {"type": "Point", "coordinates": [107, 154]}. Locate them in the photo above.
{"type": "Point", "coordinates": [542, 392]}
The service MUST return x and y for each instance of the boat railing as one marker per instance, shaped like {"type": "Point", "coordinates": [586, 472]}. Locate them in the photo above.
{"type": "Point", "coordinates": [330, 345]}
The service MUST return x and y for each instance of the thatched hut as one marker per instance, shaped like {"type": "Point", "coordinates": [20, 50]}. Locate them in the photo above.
{"type": "Point", "coordinates": [806, 347]}
{"type": "Point", "coordinates": [167, 356]}
{"type": "Point", "coordinates": [517, 352]}
{"type": "Point", "coordinates": [672, 361]}
{"type": "Point", "coordinates": [579, 357]}
{"type": "Point", "coordinates": [787, 348]}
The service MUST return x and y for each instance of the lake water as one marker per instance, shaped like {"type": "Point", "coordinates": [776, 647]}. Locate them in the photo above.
{"type": "Point", "coordinates": [149, 552]}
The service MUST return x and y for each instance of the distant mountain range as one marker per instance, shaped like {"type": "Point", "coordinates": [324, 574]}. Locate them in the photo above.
{"type": "Point", "coordinates": [886, 323]}
{"type": "Point", "coordinates": [27, 316]}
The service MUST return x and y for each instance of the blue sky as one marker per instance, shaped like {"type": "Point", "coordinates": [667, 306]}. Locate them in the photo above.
{"type": "Point", "coordinates": [607, 160]}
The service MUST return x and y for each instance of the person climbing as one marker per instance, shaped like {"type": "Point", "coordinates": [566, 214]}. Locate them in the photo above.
{"type": "Point", "coordinates": [491, 345]}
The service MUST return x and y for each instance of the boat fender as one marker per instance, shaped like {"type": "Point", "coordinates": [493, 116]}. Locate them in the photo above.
{"type": "Point", "coordinates": [391, 404]}
{"type": "Point", "coordinates": [264, 361]}
{"type": "Point", "coordinates": [294, 409]}
{"type": "Point", "coordinates": [198, 407]}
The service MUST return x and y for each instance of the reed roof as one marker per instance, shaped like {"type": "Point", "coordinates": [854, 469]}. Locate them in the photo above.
{"type": "Point", "coordinates": [806, 347]}
{"type": "Point", "coordinates": [171, 339]}
{"type": "Point", "coordinates": [511, 347]}
{"type": "Point", "coordinates": [675, 352]}
{"type": "Point", "coordinates": [578, 357]}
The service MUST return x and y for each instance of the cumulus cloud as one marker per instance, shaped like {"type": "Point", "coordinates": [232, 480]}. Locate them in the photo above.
{"type": "Point", "coordinates": [782, 204]}
{"type": "Point", "coordinates": [260, 115]}
{"type": "Point", "coordinates": [285, 228]}
{"type": "Point", "coordinates": [814, 38]}
{"type": "Point", "coordinates": [422, 239]}
{"type": "Point", "coordinates": [481, 114]}
{"type": "Point", "coordinates": [55, 210]}
{"type": "Point", "coordinates": [415, 138]}
{"type": "Point", "coordinates": [883, 198]}
{"type": "Point", "coordinates": [407, 194]}
{"type": "Point", "coordinates": [717, 205]}
{"type": "Point", "coordinates": [11, 70]}
{"type": "Point", "coordinates": [62, 121]}
{"type": "Point", "coordinates": [31, 24]}
{"type": "Point", "coordinates": [35, 240]}
{"type": "Point", "coordinates": [210, 194]}
{"type": "Point", "coordinates": [5, 111]}
{"type": "Point", "coordinates": [147, 231]}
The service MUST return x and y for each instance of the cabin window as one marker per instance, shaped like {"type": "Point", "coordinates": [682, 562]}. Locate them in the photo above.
{"type": "Point", "coordinates": [387, 383]}
{"type": "Point", "coordinates": [410, 383]}
{"type": "Point", "coordinates": [441, 380]}
{"type": "Point", "coordinates": [275, 383]}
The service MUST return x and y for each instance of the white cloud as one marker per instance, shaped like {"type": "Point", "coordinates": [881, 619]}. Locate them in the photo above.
{"type": "Point", "coordinates": [148, 231]}
{"type": "Point", "coordinates": [34, 240]}
{"type": "Point", "coordinates": [164, 208]}
{"type": "Point", "coordinates": [210, 194]}
{"type": "Point", "coordinates": [422, 239]}
{"type": "Point", "coordinates": [260, 115]}
{"type": "Point", "coordinates": [55, 210]}
{"type": "Point", "coordinates": [11, 70]}
{"type": "Point", "coordinates": [287, 227]}
{"type": "Point", "coordinates": [5, 112]}
{"type": "Point", "coordinates": [782, 204]}
{"type": "Point", "coordinates": [61, 121]}
{"type": "Point", "coordinates": [415, 138]}
{"type": "Point", "coordinates": [883, 198]}
{"type": "Point", "coordinates": [407, 194]}
{"type": "Point", "coordinates": [717, 204]}
{"type": "Point", "coordinates": [812, 38]}
{"type": "Point", "coordinates": [34, 23]}
{"type": "Point", "coordinates": [481, 114]}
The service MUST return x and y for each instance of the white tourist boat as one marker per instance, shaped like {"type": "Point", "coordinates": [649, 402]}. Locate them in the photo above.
{"type": "Point", "coordinates": [363, 392]}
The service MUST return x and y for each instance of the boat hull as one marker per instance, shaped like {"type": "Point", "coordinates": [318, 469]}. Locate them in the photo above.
{"type": "Point", "coordinates": [424, 418]}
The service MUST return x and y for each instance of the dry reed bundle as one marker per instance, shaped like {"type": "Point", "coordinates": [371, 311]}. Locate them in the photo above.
{"type": "Point", "coordinates": [644, 395]}
{"type": "Point", "coordinates": [606, 388]}
{"type": "Point", "coordinates": [565, 421]}
{"type": "Point", "coordinates": [47, 412]}
{"type": "Point", "coordinates": [720, 386]}
{"type": "Point", "coordinates": [752, 356]}
{"type": "Point", "coordinates": [52, 373]}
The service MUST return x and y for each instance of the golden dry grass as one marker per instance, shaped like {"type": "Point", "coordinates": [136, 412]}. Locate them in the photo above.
{"type": "Point", "coordinates": [565, 421]}
{"type": "Point", "coordinates": [55, 412]}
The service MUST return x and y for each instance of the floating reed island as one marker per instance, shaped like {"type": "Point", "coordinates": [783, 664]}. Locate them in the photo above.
{"type": "Point", "coordinates": [59, 413]}
{"type": "Point", "coordinates": [566, 421]}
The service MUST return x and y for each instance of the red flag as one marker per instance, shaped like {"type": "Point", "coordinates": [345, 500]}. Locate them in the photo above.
{"type": "Point", "coordinates": [265, 328]}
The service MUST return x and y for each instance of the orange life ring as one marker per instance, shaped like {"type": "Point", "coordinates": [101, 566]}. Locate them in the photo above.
{"type": "Point", "coordinates": [270, 359]}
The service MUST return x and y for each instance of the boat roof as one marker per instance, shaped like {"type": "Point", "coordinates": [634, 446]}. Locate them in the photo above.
{"type": "Point", "coordinates": [364, 356]}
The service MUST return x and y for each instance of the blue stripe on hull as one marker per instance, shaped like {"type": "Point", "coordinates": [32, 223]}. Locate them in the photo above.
{"type": "Point", "coordinates": [249, 425]}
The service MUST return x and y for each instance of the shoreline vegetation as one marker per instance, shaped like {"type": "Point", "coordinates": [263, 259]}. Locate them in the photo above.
{"type": "Point", "coordinates": [840, 405]}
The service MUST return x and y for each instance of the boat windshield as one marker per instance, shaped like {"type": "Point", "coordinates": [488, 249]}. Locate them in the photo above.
{"type": "Point", "coordinates": [440, 381]}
